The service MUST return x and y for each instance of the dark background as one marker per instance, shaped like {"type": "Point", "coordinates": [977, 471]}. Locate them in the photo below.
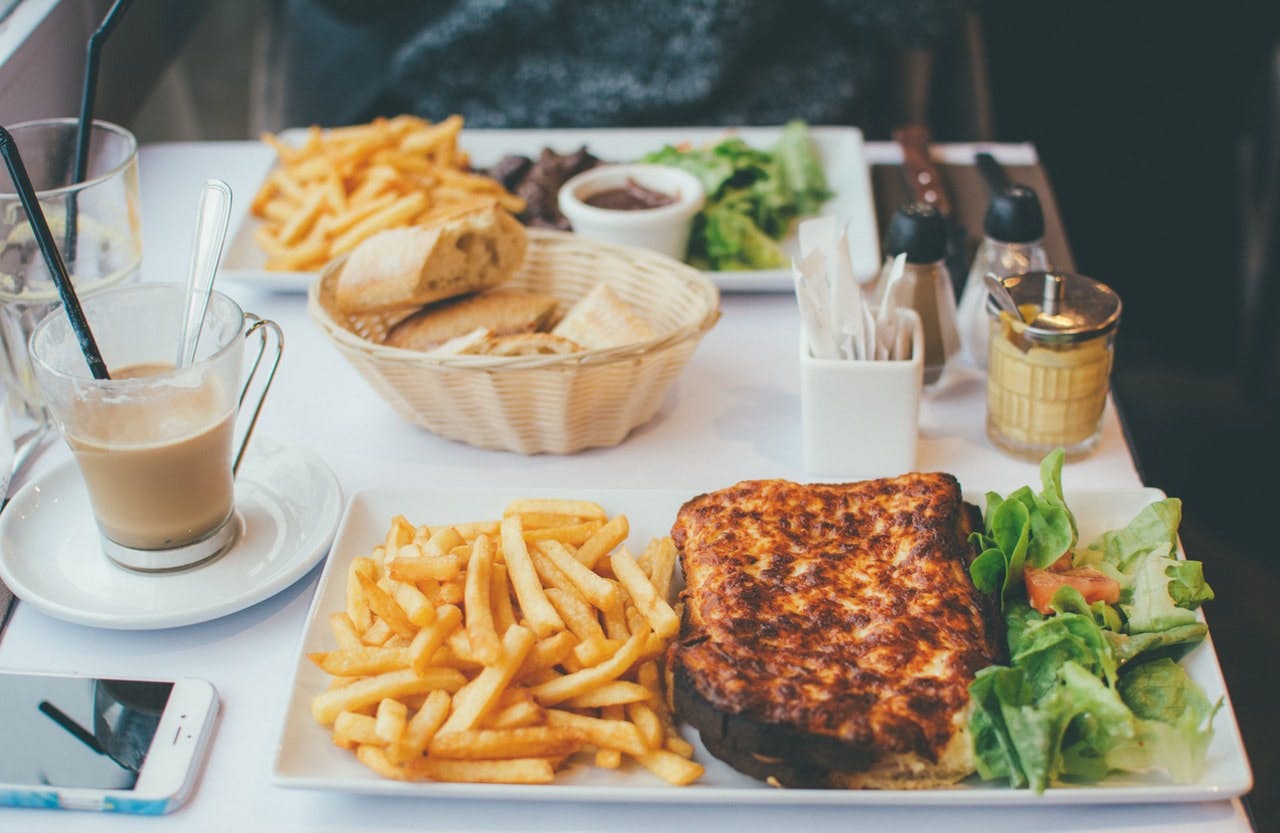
{"type": "Point", "coordinates": [1146, 116]}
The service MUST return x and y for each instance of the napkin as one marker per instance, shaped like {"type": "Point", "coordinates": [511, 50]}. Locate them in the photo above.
{"type": "Point", "coordinates": [838, 320]}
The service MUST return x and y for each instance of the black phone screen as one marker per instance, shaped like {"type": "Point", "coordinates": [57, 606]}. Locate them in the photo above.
{"type": "Point", "coordinates": [77, 731]}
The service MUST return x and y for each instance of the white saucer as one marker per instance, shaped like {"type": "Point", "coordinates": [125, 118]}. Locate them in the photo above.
{"type": "Point", "coordinates": [288, 502]}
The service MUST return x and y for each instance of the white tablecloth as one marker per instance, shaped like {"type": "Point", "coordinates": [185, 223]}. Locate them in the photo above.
{"type": "Point", "coordinates": [734, 414]}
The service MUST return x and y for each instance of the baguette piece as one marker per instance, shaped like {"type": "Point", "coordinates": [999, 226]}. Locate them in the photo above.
{"type": "Point", "coordinates": [404, 268]}
{"type": "Point", "coordinates": [601, 319]}
{"type": "Point", "coordinates": [500, 311]}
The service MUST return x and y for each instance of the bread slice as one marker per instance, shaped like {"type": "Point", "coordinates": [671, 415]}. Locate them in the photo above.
{"type": "Point", "coordinates": [601, 319]}
{"type": "Point", "coordinates": [408, 267]}
{"type": "Point", "coordinates": [500, 311]}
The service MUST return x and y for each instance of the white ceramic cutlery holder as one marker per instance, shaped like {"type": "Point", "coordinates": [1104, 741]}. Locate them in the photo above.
{"type": "Point", "coordinates": [861, 418]}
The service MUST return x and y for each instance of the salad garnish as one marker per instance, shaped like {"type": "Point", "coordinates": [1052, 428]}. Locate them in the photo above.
{"type": "Point", "coordinates": [1093, 684]}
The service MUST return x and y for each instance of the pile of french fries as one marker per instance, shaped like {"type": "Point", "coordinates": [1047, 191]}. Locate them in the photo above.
{"type": "Point", "coordinates": [493, 651]}
{"type": "Point", "coordinates": [345, 184]}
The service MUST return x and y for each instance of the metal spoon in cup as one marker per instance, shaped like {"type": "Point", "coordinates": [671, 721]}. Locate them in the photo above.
{"type": "Point", "coordinates": [212, 216]}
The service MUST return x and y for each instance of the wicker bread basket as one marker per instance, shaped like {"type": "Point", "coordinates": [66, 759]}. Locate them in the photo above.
{"type": "Point", "coordinates": [554, 404]}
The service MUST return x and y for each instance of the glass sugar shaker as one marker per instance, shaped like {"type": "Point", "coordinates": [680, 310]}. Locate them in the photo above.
{"type": "Point", "coordinates": [1049, 373]}
{"type": "Point", "coordinates": [1013, 235]}
{"type": "Point", "coordinates": [924, 284]}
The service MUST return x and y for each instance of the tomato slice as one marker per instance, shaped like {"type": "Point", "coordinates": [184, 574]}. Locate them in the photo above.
{"type": "Point", "coordinates": [1094, 585]}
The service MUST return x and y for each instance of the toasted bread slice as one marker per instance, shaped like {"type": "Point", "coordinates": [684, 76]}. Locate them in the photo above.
{"type": "Point", "coordinates": [601, 319]}
{"type": "Point", "coordinates": [500, 311]}
{"type": "Point", "coordinates": [408, 267]}
{"type": "Point", "coordinates": [831, 631]}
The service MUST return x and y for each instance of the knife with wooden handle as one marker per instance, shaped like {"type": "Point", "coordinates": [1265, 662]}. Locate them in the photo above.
{"type": "Point", "coordinates": [925, 183]}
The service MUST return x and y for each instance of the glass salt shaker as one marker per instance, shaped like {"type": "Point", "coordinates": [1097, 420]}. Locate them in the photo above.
{"type": "Point", "coordinates": [1012, 244]}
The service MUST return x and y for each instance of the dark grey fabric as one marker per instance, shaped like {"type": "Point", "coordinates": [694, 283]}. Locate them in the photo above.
{"type": "Point", "coordinates": [556, 63]}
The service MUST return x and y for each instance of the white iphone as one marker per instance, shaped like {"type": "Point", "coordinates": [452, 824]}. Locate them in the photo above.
{"type": "Point", "coordinates": [81, 743]}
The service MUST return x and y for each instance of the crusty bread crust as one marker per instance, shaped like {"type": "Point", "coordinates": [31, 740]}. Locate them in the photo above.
{"type": "Point", "coordinates": [408, 267]}
{"type": "Point", "coordinates": [600, 319]}
{"type": "Point", "coordinates": [500, 311]}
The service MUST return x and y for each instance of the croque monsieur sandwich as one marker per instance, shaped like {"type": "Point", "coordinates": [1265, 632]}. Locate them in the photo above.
{"type": "Point", "coordinates": [830, 632]}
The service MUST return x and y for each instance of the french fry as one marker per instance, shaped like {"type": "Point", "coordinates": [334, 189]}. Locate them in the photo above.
{"type": "Point", "coordinates": [477, 697]}
{"type": "Point", "coordinates": [512, 771]}
{"type": "Point", "coordinates": [390, 719]}
{"type": "Point", "coordinates": [327, 706]}
{"type": "Point", "coordinates": [496, 744]}
{"type": "Point", "coordinates": [573, 685]}
{"type": "Point", "coordinates": [386, 607]}
{"type": "Point", "coordinates": [571, 534]}
{"type": "Point", "coordinates": [616, 693]}
{"type": "Point", "coordinates": [428, 640]}
{"type": "Point", "coordinates": [661, 566]}
{"type": "Point", "coordinates": [357, 606]}
{"type": "Point", "coordinates": [535, 606]}
{"type": "Point", "coordinates": [360, 661]}
{"type": "Point", "coordinates": [481, 632]}
{"type": "Point", "coordinates": [661, 617]}
{"type": "Point", "coordinates": [553, 506]}
{"type": "Point", "coordinates": [522, 713]}
{"type": "Point", "coordinates": [670, 767]}
{"type": "Point", "coordinates": [647, 724]}
{"type": "Point", "coordinates": [425, 567]}
{"type": "Point", "coordinates": [351, 729]}
{"type": "Point", "coordinates": [442, 541]}
{"type": "Point", "coordinates": [610, 734]}
{"type": "Point", "coordinates": [422, 727]}
{"type": "Point", "coordinates": [549, 652]}
{"type": "Point", "coordinates": [603, 541]}
{"type": "Point", "coordinates": [598, 590]}
{"type": "Point", "coordinates": [504, 614]}
{"type": "Point", "coordinates": [344, 632]}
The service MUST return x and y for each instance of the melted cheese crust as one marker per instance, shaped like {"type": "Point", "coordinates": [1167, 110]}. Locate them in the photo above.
{"type": "Point", "coordinates": [839, 610]}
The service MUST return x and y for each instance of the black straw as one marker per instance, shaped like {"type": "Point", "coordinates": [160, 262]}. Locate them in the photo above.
{"type": "Point", "coordinates": [52, 257]}
{"type": "Point", "coordinates": [87, 94]}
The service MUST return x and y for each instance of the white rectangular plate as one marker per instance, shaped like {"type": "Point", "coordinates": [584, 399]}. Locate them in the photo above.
{"type": "Point", "coordinates": [839, 148]}
{"type": "Point", "coordinates": [307, 758]}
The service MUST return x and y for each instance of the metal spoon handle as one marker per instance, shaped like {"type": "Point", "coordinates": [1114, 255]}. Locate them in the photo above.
{"type": "Point", "coordinates": [212, 216]}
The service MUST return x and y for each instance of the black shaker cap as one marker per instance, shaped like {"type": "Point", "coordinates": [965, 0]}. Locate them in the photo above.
{"type": "Point", "coordinates": [1014, 216]}
{"type": "Point", "coordinates": [919, 230]}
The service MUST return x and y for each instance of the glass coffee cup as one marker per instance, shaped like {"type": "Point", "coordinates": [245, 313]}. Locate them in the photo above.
{"type": "Point", "coordinates": [155, 443]}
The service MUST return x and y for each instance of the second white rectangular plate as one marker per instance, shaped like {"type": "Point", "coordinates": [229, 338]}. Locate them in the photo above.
{"type": "Point", "coordinates": [839, 148]}
{"type": "Point", "coordinates": [307, 758]}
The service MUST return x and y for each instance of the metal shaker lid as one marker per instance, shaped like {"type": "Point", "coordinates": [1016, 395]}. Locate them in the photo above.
{"type": "Point", "coordinates": [1069, 307]}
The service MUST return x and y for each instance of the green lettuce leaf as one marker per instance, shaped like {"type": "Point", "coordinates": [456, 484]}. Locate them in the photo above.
{"type": "Point", "coordinates": [1151, 607]}
{"type": "Point", "coordinates": [1174, 721]}
{"type": "Point", "coordinates": [1153, 531]}
{"type": "Point", "coordinates": [732, 241]}
{"type": "Point", "coordinates": [752, 197]}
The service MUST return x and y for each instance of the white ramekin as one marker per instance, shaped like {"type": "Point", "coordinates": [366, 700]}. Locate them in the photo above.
{"type": "Point", "coordinates": [664, 229]}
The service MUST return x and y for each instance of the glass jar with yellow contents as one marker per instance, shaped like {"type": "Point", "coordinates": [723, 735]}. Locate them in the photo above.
{"type": "Point", "coordinates": [1049, 371]}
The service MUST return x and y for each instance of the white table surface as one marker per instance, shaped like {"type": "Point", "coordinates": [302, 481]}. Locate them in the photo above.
{"type": "Point", "coordinates": [734, 413]}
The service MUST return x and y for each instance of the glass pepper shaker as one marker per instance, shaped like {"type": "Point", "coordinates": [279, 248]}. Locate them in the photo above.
{"type": "Point", "coordinates": [924, 284]}
{"type": "Point", "coordinates": [1049, 373]}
